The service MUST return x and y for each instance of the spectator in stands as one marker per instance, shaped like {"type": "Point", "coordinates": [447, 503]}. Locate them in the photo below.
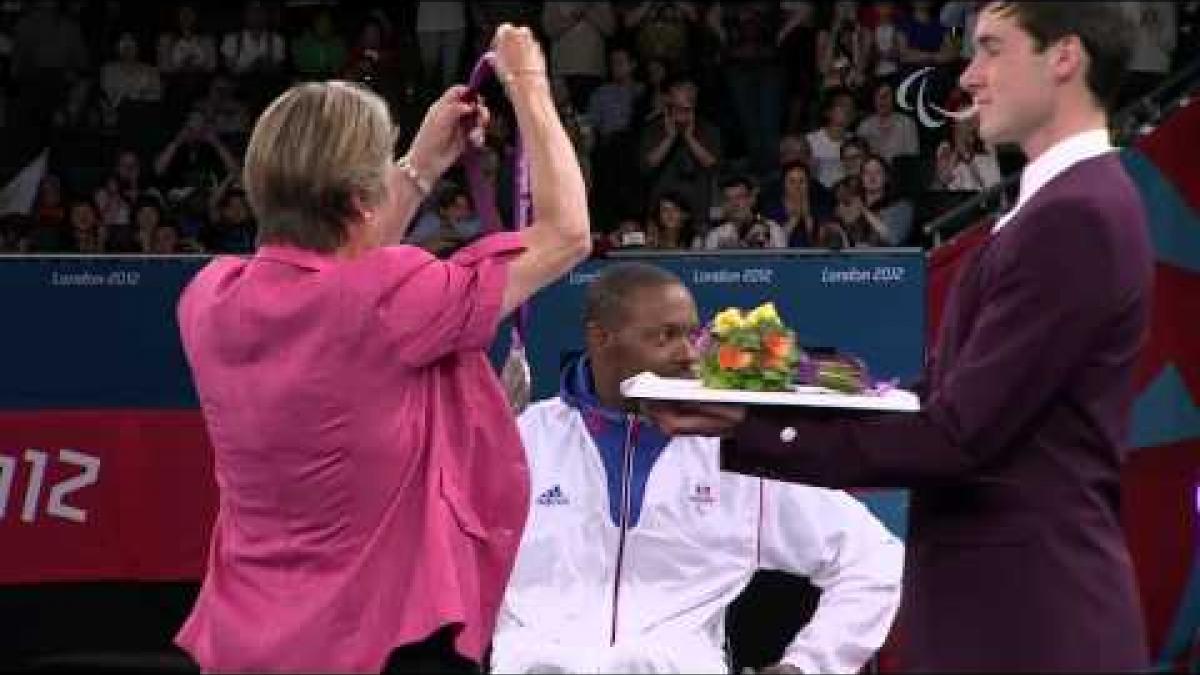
{"type": "Point", "coordinates": [131, 181]}
{"type": "Point", "coordinates": [924, 41]}
{"type": "Point", "coordinates": [449, 224]}
{"type": "Point", "coordinates": [743, 226]}
{"type": "Point", "coordinates": [831, 235]}
{"type": "Point", "coordinates": [441, 34]}
{"type": "Point", "coordinates": [254, 48]}
{"type": "Point", "coordinates": [577, 33]}
{"type": "Point", "coordinates": [14, 228]}
{"type": "Point", "coordinates": [87, 232]}
{"type": "Point", "coordinates": [225, 110]}
{"type": "Point", "coordinates": [889, 132]}
{"type": "Point", "coordinates": [187, 58]}
{"type": "Point", "coordinates": [959, 17]}
{"type": "Point", "coordinates": [191, 210]}
{"type": "Point", "coordinates": [147, 216]}
{"type": "Point", "coordinates": [750, 62]}
{"type": "Point", "coordinates": [112, 207]}
{"type": "Point", "coordinates": [578, 126]}
{"type": "Point", "coordinates": [610, 107]}
{"type": "Point", "coordinates": [885, 43]}
{"type": "Point", "coordinates": [611, 111]}
{"type": "Point", "coordinates": [120, 236]}
{"type": "Point", "coordinates": [126, 79]}
{"type": "Point", "coordinates": [663, 30]}
{"type": "Point", "coordinates": [680, 152]}
{"type": "Point", "coordinates": [48, 205]}
{"type": "Point", "coordinates": [376, 62]}
{"type": "Point", "coordinates": [797, 47]}
{"type": "Point", "coordinates": [48, 232]}
{"type": "Point", "coordinates": [184, 48]}
{"type": "Point", "coordinates": [256, 55]}
{"type": "Point", "coordinates": [320, 52]}
{"type": "Point", "coordinates": [232, 228]}
{"type": "Point", "coordinates": [697, 535]}
{"type": "Point", "coordinates": [844, 49]}
{"type": "Point", "coordinates": [794, 148]}
{"type": "Point", "coordinates": [167, 240]}
{"type": "Point", "coordinates": [793, 208]}
{"type": "Point", "coordinates": [195, 159]}
{"type": "Point", "coordinates": [114, 198]}
{"type": "Point", "coordinates": [653, 102]}
{"type": "Point", "coordinates": [630, 232]}
{"type": "Point", "coordinates": [884, 204]}
{"type": "Point", "coordinates": [48, 58]}
{"type": "Point", "coordinates": [853, 151]}
{"type": "Point", "coordinates": [1155, 36]}
{"type": "Point", "coordinates": [826, 143]}
{"type": "Point", "coordinates": [671, 225]}
{"type": "Point", "coordinates": [862, 227]}
{"type": "Point", "coordinates": [964, 162]}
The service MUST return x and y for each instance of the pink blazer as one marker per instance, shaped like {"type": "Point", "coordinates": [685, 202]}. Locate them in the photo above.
{"type": "Point", "coordinates": [372, 483]}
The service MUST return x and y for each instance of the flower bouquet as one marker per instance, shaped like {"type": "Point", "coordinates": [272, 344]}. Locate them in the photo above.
{"type": "Point", "coordinates": [755, 351]}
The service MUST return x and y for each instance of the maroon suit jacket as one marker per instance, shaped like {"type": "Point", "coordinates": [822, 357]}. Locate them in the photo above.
{"type": "Point", "coordinates": [1016, 559]}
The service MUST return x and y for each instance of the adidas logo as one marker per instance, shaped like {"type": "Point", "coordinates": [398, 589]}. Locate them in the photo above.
{"type": "Point", "coordinates": [553, 497]}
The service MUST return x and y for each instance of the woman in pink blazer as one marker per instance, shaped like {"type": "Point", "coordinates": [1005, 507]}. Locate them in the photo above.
{"type": "Point", "coordinates": [372, 483]}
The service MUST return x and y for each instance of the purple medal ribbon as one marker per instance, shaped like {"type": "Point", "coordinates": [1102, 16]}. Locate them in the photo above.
{"type": "Point", "coordinates": [482, 193]}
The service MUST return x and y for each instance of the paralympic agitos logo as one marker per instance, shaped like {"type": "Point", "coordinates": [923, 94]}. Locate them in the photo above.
{"type": "Point", "coordinates": [930, 114]}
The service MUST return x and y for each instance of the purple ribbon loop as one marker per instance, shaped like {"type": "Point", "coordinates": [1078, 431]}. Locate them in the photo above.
{"type": "Point", "coordinates": [482, 193]}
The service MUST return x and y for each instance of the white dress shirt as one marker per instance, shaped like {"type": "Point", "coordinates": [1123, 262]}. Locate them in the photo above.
{"type": "Point", "coordinates": [1054, 161]}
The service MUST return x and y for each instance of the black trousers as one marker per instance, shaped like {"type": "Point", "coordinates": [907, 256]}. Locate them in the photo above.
{"type": "Point", "coordinates": [434, 654]}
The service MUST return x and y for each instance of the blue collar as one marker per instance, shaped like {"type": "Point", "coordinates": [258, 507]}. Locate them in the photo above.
{"type": "Point", "coordinates": [611, 430]}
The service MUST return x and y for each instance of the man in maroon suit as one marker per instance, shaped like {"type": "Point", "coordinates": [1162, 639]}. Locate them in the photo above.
{"type": "Point", "coordinates": [1016, 558]}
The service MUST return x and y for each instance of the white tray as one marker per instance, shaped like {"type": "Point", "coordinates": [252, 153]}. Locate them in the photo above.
{"type": "Point", "coordinates": [653, 387]}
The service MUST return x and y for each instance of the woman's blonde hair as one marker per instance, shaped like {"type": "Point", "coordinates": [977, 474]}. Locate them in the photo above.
{"type": "Point", "coordinates": [313, 150]}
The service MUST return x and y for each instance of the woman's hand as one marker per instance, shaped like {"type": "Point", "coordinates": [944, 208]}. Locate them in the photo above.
{"type": "Point", "coordinates": [449, 124]}
{"type": "Point", "coordinates": [519, 61]}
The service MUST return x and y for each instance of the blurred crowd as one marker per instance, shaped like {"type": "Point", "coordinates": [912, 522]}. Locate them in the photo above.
{"type": "Point", "coordinates": [698, 125]}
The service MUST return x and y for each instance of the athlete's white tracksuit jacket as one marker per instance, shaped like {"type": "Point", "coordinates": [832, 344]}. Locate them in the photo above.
{"type": "Point", "coordinates": [636, 544]}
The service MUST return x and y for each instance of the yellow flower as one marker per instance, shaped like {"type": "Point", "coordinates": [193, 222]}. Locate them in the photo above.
{"type": "Point", "coordinates": [764, 315]}
{"type": "Point", "coordinates": [730, 319]}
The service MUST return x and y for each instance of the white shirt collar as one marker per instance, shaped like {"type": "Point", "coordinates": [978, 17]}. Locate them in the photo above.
{"type": "Point", "coordinates": [1054, 161]}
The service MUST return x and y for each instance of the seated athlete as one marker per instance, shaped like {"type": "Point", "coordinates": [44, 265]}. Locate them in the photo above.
{"type": "Point", "coordinates": [637, 543]}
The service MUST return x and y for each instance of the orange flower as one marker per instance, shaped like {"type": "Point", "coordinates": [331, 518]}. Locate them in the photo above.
{"type": "Point", "coordinates": [730, 357]}
{"type": "Point", "coordinates": [778, 345]}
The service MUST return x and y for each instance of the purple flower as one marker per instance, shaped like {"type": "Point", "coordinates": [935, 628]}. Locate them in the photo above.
{"type": "Point", "coordinates": [806, 370]}
{"type": "Point", "coordinates": [883, 388]}
{"type": "Point", "coordinates": [702, 339]}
